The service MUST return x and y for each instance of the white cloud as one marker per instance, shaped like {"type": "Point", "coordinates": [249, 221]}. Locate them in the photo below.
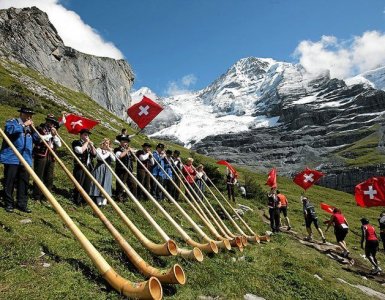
{"type": "Point", "coordinates": [189, 79]}
{"type": "Point", "coordinates": [343, 58]}
{"type": "Point", "coordinates": [181, 86]}
{"type": "Point", "coordinates": [71, 28]}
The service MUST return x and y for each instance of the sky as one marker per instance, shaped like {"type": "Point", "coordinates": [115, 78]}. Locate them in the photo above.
{"type": "Point", "coordinates": [176, 46]}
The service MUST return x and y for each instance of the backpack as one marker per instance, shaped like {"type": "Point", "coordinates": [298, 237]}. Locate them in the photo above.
{"type": "Point", "coordinates": [310, 210]}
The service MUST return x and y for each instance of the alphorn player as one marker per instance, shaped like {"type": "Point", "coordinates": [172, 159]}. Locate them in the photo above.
{"type": "Point", "coordinates": [145, 156]}
{"type": "Point", "coordinates": [44, 162]}
{"type": "Point", "coordinates": [84, 149]}
{"type": "Point", "coordinates": [19, 131]}
{"type": "Point", "coordinates": [124, 154]}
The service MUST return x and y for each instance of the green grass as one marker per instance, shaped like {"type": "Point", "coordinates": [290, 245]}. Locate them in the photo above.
{"type": "Point", "coordinates": [282, 269]}
{"type": "Point", "coordinates": [365, 151]}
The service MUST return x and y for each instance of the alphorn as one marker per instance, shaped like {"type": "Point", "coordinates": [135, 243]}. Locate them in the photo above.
{"type": "Point", "coordinates": [251, 238]}
{"type": "Point", "coordinates": [237, 241]}
{"type": "Point", "coordinates": [173, 275]}
{"type": "Point", "coordinates": [169, 248]}
{"type": "Point", "coordinates": [223, 243]}
{"type": "Point", "coordinates": [246, 237]}
{"type": "Point", "coordinates": [195, 253]}
{"type": "Point", "coordinates": [198, 210]}
{"type": "Point", "coordinates": [151, 289]}
{"type": "Point", "coordinates": [210, 247]}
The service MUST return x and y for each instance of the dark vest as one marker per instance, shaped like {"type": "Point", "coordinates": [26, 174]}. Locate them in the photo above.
{"type": "Point", "coordinates": [127, 160]}
{"type": "Point", "coordinates": [84, 156]}
{"type": "Point", "coordinates": [40, 150]}
{"type": "Point", "coordinates": [146, 163]}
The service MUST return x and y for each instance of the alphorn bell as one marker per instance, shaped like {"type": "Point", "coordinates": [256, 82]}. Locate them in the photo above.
{"type": "Point", "coordinates": [169, 248]}
{"type": "Point", "coordinates": [151, 289]}
{"type": "Point", "coordinates": [186, 253]}
{"type": "Point", "coordinates": [223, 243]}
{"type": "Point", "coordinates": [173, 275]}
{"type": "Point", "coordinates": [210, 247]}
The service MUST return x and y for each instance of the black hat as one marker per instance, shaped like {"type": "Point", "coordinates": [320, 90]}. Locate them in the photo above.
{"type": "Point", "coordinates": [146, 145]}
{"type": "Point", "coordinates": [26, 110]}
{"type": "Point", "coordinates": [123, 138]}
{"type": "Point", "coordinates": [364, 221]}
{"type": "Point", "coordinates": [52, 119]}
{"type": "Point", "coordinates": [84, 130]}
{"type": "Point", "coordinates": [160, 145]}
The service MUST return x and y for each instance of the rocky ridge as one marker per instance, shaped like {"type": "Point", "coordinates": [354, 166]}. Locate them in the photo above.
{"type": "Point", "coordinates": [28, 37]}
{"type": "Point", "coordinates": [318, 119]}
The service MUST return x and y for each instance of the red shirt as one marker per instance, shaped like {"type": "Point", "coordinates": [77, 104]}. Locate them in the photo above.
{"type": "Point", "coordinates": [282, 198]}
{"type": "Point", "coordinates": [338, 219]}
{"type": "Point", "coordinates": [189, 174]}
{"type": "Point", "coordinates": [370, 232]}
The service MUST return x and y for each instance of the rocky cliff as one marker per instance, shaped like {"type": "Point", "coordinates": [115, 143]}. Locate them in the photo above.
{"type": "Point", "coordinates": [262, 113]}
{"type": "Point", "coordinates": [28, 37]}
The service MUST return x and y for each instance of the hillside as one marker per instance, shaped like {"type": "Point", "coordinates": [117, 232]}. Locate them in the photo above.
{"type": "Point", "coordinates": [41, 259]}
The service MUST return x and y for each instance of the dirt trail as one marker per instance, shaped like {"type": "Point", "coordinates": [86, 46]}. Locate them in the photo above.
{"type": "Point", "coordinates": [333, 252]}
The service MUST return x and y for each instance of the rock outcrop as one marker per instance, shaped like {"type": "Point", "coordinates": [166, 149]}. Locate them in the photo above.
{"type": "Point", "coordinates": [28, 37]}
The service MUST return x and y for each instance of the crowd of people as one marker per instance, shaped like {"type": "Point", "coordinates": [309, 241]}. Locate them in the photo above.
{"type": "Point", "coordinates": [277, 203]}
{"type": "Point", "coordinates": [156, 170]}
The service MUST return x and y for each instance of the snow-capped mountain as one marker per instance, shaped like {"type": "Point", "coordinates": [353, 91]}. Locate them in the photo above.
{"type": "Point", "coordinates": [265, 113]}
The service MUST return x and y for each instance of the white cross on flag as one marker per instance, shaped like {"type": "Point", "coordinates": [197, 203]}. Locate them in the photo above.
{"type": "Point", "coordinates": [144, 112]}
{"type": "Point", "coordinates": [371, 192]}
{"type": "Point", "coordinates": [307, 178]}
{"type": "Point", "coordinates": [75, 123]}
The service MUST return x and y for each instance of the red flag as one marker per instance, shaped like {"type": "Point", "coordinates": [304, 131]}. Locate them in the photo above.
{"type": "Point", "coordinates": [230, 167]}
{"type": "Point", "coordinates": [328, 208]}
{"type": "Point", "coordinates": [307, 178]}
{"type": "Point", "coordinates": [371, 192]}
{"type": "Point", "coordinates": [272, 178]}
{"type": "Point", "coordinates": [144, 112]}
{"type": "Point", "coordinates": [75, 123]}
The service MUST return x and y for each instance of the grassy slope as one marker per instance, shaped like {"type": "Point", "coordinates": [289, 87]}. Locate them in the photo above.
{"type": "Point", "coordinates": [282, 269]}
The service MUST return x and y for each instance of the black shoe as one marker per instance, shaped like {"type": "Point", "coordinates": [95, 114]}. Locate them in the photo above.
{"type": "Point", "coordinates": [26, 210]}
{"type": "Point", "coordinates": [9, 209]}
{"type": "Point", "coordinates": [288, 228]}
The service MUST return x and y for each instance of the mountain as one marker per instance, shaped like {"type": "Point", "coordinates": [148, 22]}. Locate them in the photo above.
{"type": "Point", "coordinates": [28, 37]}
{"type": "Point", "coordinates": [263, 113]}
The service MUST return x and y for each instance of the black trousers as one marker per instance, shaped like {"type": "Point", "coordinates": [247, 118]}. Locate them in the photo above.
{"type": "Point", "coordinates": [156, 191]}
{"type": "Point", "coordinates": [145, 179]}
{"type": "Point", "coordinates": [43, 167]}
{"type": "Point", "coordinates": [230, 192]}
{"type": "Point", "coordinates": [175, 192]}
{"type": "Point", "coordinates": [15, 176]}
{"type": "Point", "coordinates": [84, 181]}
{"type": "Point", "coordinates": [274, 219]}
{"type": "Point", "coordinates": [127, 180]}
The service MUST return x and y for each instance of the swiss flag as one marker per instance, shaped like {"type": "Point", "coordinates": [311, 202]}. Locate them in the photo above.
{"type": "Point", "coordinates": [328, 208]}
{"type": "Point", "coordinates": [272, 178]}
{"type": "Point", "coordinates": [75, 123]}
{"type": "Point", "coordinates": [144, 112]}
{"type": "Point", "coordinates": [230, 167]}
{"type": "Point", "coordinates": [307, 178]}
{"type": "Point", "coordinates": [371, 192]}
